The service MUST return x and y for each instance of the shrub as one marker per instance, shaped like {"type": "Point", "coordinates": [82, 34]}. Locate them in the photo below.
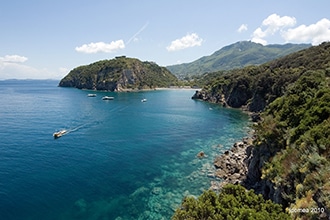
{"type": "Point", "coordinates": [233, 202]}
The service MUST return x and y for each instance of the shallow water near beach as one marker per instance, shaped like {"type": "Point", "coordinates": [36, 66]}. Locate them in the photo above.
{"type": "Point", "coordinates": [121, 159]}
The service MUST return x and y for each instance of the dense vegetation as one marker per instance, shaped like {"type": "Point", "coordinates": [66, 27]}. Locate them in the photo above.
{"type": "Point", "coordinates": [257, 86]}
{"type": "Point", "coordinates": [292, 145]}
{"type": "Point", "coordinates": [118, 74]}
{"type": "Point", "coordinates": [233, 56]}
{"type": "Point", "coordinates": [298, 126]}
{"type": "Point", "coordinates": [233, 202]}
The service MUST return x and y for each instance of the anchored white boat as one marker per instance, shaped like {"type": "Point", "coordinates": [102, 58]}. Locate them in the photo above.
{"type": "Point", "coordinates": [91, 95]}
{"type": "Point", "coordinates": [59, 134]}
{"type": "Point", "coordinates": [143, 100]}
{"type": "Point", "coordinates": [107, 98]}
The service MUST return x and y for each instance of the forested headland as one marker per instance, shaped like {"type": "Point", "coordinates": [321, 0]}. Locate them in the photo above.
{"type": "Point", "coordinates": [290, 163]}
{"type": "Point", "coordinates": [119, 74]}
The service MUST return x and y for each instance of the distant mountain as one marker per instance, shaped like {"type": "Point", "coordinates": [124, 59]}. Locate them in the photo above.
{"type": "Point", "coordinates": [233, 56]}
{"type": "Point", "coordinates": [119, 74]}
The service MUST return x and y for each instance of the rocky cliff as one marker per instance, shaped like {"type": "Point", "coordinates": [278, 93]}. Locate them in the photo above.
{"type": "Point", "coordinates": [242, 164]}
{"type": "Point", "coordinates": [288, 160]}
{"type": "Point", "coordinates": [254, 87]}
{"type": "Point", "coordinates": [119, 74]}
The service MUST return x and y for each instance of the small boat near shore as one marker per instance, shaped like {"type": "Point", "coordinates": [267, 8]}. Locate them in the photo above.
{"type": "Point", "coordinates": [143, 100]}
{"type": "Point", "coordinates": [59, 134]}
{"type": "Point", "coordinates": [107, 98]}
{"type": "Point", "coordinates": [91, 95]}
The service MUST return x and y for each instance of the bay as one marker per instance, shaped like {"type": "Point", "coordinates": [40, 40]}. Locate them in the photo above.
{"type": "Point", "coordinates": [122, 158]}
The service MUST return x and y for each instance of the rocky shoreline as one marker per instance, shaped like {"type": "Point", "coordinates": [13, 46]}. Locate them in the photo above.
{"type": "Point", "coordinates": [242, 165]}
{"type": "Point", "coordinates": [232, 165]}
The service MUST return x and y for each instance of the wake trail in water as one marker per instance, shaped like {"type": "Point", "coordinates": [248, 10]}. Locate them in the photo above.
{"type": "Point", "coordinates": [90, 124]}
{"type": "Point", "coordinates": [76, 128]}
{"type": "Point", "coordinates": [67, 131]}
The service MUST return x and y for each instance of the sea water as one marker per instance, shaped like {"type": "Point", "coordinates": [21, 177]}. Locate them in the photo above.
{"type": "Point", "coordinates": [121, 159]}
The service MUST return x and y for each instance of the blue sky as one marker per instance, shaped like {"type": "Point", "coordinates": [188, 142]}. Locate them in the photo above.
{"type": "Point", "coordinates": [45, 39]}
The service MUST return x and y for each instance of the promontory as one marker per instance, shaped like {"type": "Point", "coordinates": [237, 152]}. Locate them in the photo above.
{"type": "Point", "coordinates": [119, 74]}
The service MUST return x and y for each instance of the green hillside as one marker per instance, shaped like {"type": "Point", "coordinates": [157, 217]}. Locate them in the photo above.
{"type": "Point", "coordinates": [233, 202]}
{"type": "Point", "coordinates": [290, 162]}
{"type": "Point", "coordinates": [119, 74]}
{"type": "Point", "coordinates": [236, 55]}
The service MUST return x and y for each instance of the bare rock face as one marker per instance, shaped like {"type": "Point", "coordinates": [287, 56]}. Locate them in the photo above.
{"type": "Point", "coordinates": [260, 155]}
{"type": "Point", "coordinates": [242, 164]}
{"type": "Point", "coordinates": [216, 98]}
{"type": "Point", "coordinates": [232, 166]}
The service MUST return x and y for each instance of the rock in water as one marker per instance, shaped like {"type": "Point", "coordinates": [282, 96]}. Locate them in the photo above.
{"type": "Point", "coordinates": [201, 155]}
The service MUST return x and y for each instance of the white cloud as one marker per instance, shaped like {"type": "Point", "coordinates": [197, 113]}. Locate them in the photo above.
{"type": "Point", "coordinates": [274, 23]}
{"type": "Point", "coordinates": [13, 59]}
{"type": "Point", "coordinates": [270, 26]}
{"type": "Point", "coordinates": [190, 40]}
{"type": "Point", "coordinates": [101, 47]}
{"type": "Point", "coordinates": [242, 28]}
{"type": "Point", "coordinates": [314, 33]}
{"type": "Point", "coordinates": [16, 70]}
{"type": "Point", "coordinates": [14, 67]}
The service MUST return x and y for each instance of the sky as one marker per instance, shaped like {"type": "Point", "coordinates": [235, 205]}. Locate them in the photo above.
{"type": "Point", "coordinates": [45, 39]}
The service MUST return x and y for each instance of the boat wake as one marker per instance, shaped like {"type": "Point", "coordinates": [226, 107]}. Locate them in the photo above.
{"type": "Point", "coordinates": [63, 132]}
{"type": "Point", "coordinates": [77, 128]}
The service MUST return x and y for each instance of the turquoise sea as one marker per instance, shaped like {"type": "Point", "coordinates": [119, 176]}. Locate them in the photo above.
{"type": "Point", "coordinates": [122, 159]}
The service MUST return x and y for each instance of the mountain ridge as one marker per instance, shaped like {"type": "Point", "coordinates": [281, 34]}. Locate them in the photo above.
{"type": "Point", "coordinates": [236, 55]}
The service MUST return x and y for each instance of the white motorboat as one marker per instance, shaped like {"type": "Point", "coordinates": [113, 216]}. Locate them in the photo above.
{"type": "Point", "coordinates": [107, 98]}
{"type": "Point", "coordinates": [59, 134]}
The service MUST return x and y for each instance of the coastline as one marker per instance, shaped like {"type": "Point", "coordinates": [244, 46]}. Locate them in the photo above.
{"type": "Point", "coordinates": [179, 88]}
{"type": "Point", "coordinates": [235, 165]}
{"type": "Point", "coordinates": [232, 166]}
{"type": "Point", "coordinates": [160, 88]}
{"type": "Point", "coordinates": [149, 89]}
